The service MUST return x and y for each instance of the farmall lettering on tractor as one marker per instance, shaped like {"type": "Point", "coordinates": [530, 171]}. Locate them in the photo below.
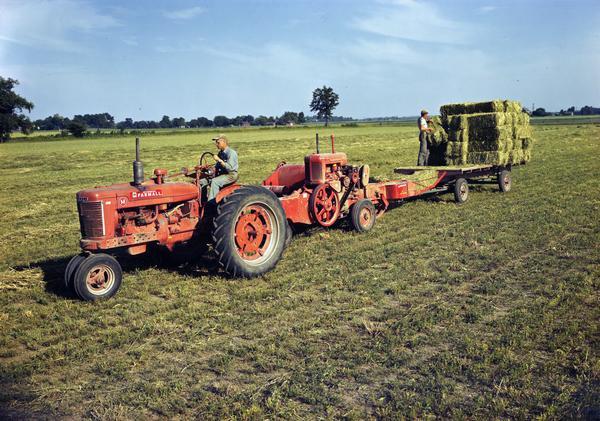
{"type": "Point", "coordinates": [248, 226]}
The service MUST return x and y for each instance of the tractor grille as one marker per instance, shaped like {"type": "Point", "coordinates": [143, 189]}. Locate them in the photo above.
{"type": "Point", "coordinates": [91, 219]}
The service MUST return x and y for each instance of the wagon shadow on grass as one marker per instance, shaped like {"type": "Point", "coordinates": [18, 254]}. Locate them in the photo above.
{"type": "Point", "coordinates": [202, 264]}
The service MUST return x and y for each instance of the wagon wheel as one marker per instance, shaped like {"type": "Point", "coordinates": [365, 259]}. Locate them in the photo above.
{"type": "Point", "coordinates": [504, 181]}
{"type": "Point", "coordinates": [325, 205]}
{"type": "Point", "coordinates": [362, 215]}
{"type": "Point", "coordinates": [461, 191]}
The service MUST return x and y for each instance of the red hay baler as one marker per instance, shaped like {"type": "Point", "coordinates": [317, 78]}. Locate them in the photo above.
{"type": "Point", "coordinates": [248, 226]}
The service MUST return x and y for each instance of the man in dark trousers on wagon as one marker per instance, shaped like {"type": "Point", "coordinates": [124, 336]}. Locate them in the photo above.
{"type": "Point", "coordinates": [423, 130]}
{"type": "Point", "coordinates": [226, 168]}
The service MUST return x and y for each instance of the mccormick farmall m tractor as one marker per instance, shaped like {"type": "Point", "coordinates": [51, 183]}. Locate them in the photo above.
{"type": "Point", "coordinates": [248, 226]}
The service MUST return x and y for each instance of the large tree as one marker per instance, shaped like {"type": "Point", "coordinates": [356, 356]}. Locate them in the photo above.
{"type": "Point", "coordinates": [11, 110]}
{"type": "Point", "coordinates": [324, 102]}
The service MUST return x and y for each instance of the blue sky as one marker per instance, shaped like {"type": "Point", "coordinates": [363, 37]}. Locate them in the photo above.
{"type": "Point", "coordinates": [203, 58]}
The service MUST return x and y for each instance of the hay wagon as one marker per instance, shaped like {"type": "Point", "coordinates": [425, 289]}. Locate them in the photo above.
{"type": "Point", "coordinates": [430, 179]}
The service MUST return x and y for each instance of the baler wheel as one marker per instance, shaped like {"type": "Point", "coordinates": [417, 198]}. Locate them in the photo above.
{"type": "Point", "coordinates": [97, 277]}
{"type": "Point", "coordinates": [461, 191]}
{"type": "Point", "coordinates": [504, 181]}
{"type": "Point", "coordinates": [324, 205]}
{"type": "Point", "coordinates": [362, 215]}
{"type": "Point", "coordinates": [249, 232]}
{"type": "Point", "coordinates": [71, 268]}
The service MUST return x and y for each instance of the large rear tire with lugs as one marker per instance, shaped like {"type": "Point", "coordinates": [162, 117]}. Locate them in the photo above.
{"type": "Point", "coordinates": [249, 231]}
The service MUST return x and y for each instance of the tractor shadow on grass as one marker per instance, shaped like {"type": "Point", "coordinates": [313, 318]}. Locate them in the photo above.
{"type": "Point", "coordinates": [184, 262]}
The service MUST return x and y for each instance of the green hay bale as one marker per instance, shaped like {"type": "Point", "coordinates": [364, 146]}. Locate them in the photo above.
{"type": "Point", "coordinates": [458, 136]}
{"type": "Point", "coordinates": [516, 156]}
{"type": "Point", "coordinates": [490, 120]}
{"type": "Point", "coordinates": [522, 132]}
{"type": "Point", "coordinates": [490, 138]}
{"type": "Point", "coordinates": [438, 135]}
{"type": "Point", "coordinates": [512, 106]}
{"type": "Point", "coordinates": [437, 140]}
{"type": "Point", "coordinates": [457, 122]}
{"type": "Point", "coordinates": [457, 148]}
{"type": "Point", "coordinates": [499, 145]}
{"type": "Point", "coordinates": [495, 158]}
{"type": "Point", "coordinates": [521, 119]}
{"type": "Point", "coordinates": [422, 177]}
{"type": "Point", "coordinates": [458, 161]}
{"type": "Point", "coordinates": [495, 106]}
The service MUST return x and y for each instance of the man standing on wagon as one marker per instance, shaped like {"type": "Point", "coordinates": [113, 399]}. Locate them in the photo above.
{"type": "Point", "coordinates": [423, 130]}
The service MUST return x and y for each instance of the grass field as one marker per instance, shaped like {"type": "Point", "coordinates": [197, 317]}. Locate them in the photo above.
{"type": "Point", "coordinates": [490, 309]}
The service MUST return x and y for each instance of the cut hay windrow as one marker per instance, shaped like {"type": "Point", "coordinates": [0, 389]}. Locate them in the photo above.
{"type": "Point", "coordinates": [493, 132]}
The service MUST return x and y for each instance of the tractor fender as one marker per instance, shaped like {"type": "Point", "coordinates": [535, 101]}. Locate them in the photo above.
{"type": "Point", "coordinates": [226, 191]}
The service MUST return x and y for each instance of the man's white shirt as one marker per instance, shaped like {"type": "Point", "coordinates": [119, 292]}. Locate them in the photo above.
{"type": "Point", "coordinates": [422, 123]}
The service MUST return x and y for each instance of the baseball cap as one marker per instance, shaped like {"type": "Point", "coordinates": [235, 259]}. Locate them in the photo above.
{"type": "Point", "coordinates": [221, 136]}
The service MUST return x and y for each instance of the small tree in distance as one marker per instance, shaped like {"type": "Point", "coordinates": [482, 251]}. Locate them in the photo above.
{"type": "Point", "coordinates": [77, 128]}
{"type": "Point", "coordinates": [324, 102]}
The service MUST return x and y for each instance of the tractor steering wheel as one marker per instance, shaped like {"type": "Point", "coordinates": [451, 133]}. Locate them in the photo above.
{"type": "Point", "coordinates": [204, 159]}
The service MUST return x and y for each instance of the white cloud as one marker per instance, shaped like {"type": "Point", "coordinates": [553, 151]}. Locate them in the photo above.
{"type": "Point", "coordinates": [487, 9]}
{"type": "Point", "coordinates": [412, 20]}
{"type": "Point", "coordinates": [131, 41]}
{"type": "Point", "coordinates": [183, 14]}
{"type": "Point", "coordinates": [386, 50]}
{"type": "Point", "coordinates": [49, 24]}
{"type": "Point", "coordinates": [179, 46]}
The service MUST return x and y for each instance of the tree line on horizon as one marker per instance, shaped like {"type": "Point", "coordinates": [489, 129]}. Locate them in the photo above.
{"type": "Point", "coordinates": [107, 121]}
{"type": "Point", "coordinates": [324, 101]}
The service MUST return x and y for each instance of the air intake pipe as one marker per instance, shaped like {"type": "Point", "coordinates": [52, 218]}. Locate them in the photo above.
{"type": "Point", "coordinates": [138, 167]}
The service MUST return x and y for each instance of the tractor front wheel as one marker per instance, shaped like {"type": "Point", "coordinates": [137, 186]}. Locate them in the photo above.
{"type": "Point", "coordinates": [71, 268]}
{"type": "Point", "coordinates": [362, 215]}
{"type": "Point", "coordinates": [249, 232]}
{"type": "Point", "coordinates": [97, 277]}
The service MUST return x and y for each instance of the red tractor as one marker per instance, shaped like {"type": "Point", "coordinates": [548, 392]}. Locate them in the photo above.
{"type": "Point", "coordinates": [248, 226]}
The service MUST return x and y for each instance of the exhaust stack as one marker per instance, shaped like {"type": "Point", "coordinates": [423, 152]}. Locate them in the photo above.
{"type": "Point", "coordinates": [138, 167]}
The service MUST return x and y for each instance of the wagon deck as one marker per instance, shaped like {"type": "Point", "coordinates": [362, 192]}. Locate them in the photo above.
{"type": "Point", "coordinates": [420, 180]}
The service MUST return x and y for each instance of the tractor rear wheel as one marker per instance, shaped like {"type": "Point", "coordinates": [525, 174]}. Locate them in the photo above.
{"type": "Point", "coordinates": [97, 277]}
{"type": "Point", "coordinates": [362, 215]}
{"type": "Point", "coordinates": [504, 181]}
{"type": "Point", "coordinates": [71, 268]}
{"type": "Point", "coordinates": [461, 191]}
{"type": "Point", "coordinates": [249, 232]}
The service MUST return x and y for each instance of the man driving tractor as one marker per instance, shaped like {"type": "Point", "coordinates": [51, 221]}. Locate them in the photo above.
{"type": "Point", "coordinates": [226, 168]}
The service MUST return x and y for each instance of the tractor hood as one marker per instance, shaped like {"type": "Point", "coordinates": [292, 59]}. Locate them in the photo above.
{"type": "Point", "coordinates": [149, 193]}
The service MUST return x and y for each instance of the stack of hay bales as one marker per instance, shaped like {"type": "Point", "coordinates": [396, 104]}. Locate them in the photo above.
{"type": "Point", "coordinates": [494, 132]}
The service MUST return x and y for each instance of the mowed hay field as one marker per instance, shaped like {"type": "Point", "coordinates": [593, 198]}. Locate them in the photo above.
{"type": "Point", "coordinates": [490, 309]}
